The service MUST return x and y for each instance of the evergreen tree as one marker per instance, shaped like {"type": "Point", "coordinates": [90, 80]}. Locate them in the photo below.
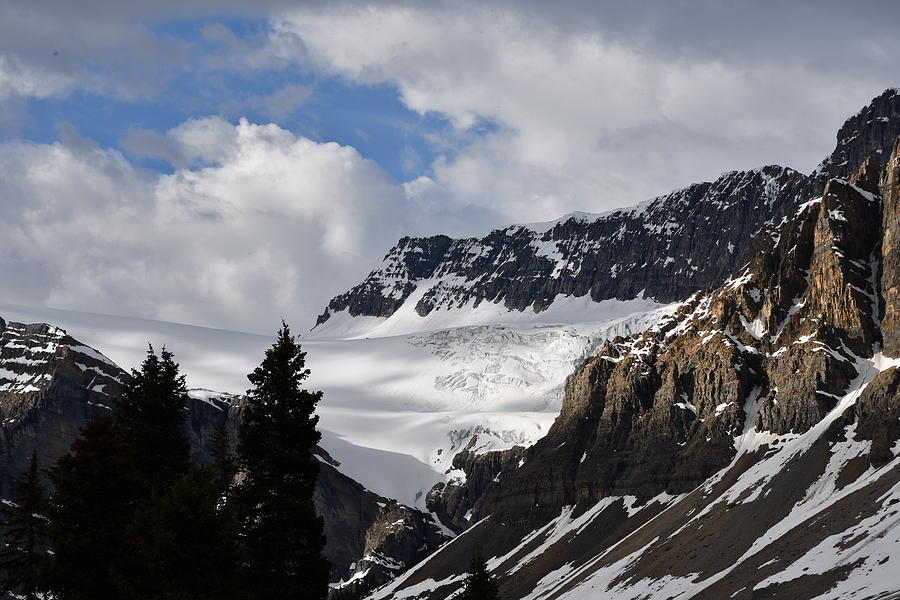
{"type": "Point", "coordinates": [95, 491]}
{"type": "Point", "coordinates": [224, 465]}
{"type": "Point", "coordinates": [25, 532]}
{"type": "Point", "coordinates": [151, 415]}
{"type": "Point", "coordinates": [182, 545]}
{"type": "Point", "coordinates": [480, 584]}
{"type": "Point", "coordinates": [106, 526]}
{"type": "Point", "coordinates": [282, 534]}
{"type": "Point", "coordinates": [187, 544]}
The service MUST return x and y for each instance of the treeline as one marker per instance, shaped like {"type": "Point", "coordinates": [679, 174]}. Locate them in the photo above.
{"type": "Point", "coordinates": [131, 517]}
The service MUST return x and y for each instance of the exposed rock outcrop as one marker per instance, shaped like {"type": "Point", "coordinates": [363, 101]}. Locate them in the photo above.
{"type": "Point", "coordinates": [890, 254]}
{"type": "Point", "coordinates": [658, 412]}
{"type": "Point", "coordinates": [870, 133]}
{"type": "Point", "coordinates": [370, 539]}
{"type": "Point", "coordinates": [50, 386]}
{"type": "Point", "coordinates": [453, 502]}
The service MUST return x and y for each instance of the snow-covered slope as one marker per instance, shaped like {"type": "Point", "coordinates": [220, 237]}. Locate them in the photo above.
{"type": "Point", "coordinates": [806, 516]}
{"type": "Point", "coordinates": [566, 310]}
{"type": "Point", "coordinates": [397, 408]}
{"type": "Point", "coordinates": [213, 358]}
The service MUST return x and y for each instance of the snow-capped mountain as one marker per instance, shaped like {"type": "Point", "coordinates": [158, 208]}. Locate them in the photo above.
{"type": "Point", "coordinates": [664, 249]}
{"type": "Point", "coordinates": [597, 403]}
{"type": "Point", "coordinates": [745, 446]}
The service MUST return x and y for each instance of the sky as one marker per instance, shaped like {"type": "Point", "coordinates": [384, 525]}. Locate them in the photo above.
{"type": "Point", "coordinates": [227, 163]}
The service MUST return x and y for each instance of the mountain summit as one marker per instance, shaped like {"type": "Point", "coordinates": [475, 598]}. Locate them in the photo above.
{"type": "Point", "coordinates": [664, 249]}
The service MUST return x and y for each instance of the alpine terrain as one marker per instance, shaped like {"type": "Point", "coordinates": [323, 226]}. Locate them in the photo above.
{"type": "Point", "coordinates": [698, 397]}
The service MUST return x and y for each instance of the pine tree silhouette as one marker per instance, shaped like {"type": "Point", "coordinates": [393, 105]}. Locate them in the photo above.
{"type": "Point", "coordinates": [187, 546]}
{"type": "Point", "coordinates": [24, 536]}
{"type": "Point", "coordinates": [95, 491]}
{"type": "Point", "coordinates": [480, 584]}
{"type": "Point", "coordinates": [130, 517]}
{"type": "Point", "coordinates": [224, 465]}
{"type": "Point", "coordinates": [282, 533]}
{"type": "Point", "coordinates": [151, 415]}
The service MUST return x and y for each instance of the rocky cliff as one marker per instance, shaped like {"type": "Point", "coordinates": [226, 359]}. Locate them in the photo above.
{"type": "Point", "coordinates": [718, 453]}
{"type": "Point", "coordinates": [50, 385]}
{"type": "Point", "coordinates": [890, 254]}
{"type": "Point", "coordinates": [666, 248]}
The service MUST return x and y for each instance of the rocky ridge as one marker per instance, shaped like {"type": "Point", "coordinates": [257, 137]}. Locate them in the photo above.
{"type": "Point", "coordinates": [665, 249]}
{"type": "Point", "coordinates": [715, 454]}
{"type": "Point", "coordinates": [50, 385]}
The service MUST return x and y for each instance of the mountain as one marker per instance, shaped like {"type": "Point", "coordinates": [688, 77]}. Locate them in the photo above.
{"type": "Point", "coordinates": [51, 385]}
{"type": "Point", "coordinates": [637, 401]}
{"type": "Point", "coordinates": [746, 446]}
{"type": "Point", "coordinates": [664, 249]}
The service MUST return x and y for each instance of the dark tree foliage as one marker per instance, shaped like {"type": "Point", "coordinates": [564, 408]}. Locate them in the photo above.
{"type": "Point", "coordinates": [151, 415]}
{"type": "Point", "coordinates": [130, 517]}
{"type": "Point", "coordinates": [94, 497]}
{"type": "Point", "coordinates": [24, 536]}
{"type": "Point", "coordinates": [224, 465]}
{"type": "Point", "coordinates": [480, 584]}
{"type": "Point", "coordinates": [187, 545]}
{"type": "Point", "coordinates": [283, 536]}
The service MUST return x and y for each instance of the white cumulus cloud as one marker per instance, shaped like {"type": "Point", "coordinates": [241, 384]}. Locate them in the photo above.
{"type": "Point", "coordinates": [270, 224]}
{"type": "Point", "coordinates": [588, 116]}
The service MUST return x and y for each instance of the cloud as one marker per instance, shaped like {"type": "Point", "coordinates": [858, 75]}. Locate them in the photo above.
{"type": "Point", "coordinates": [551, 107]}
{"type": "Point", "coordinates": [273, 225]}
{"type": "Point", "coordinates": [283, 102]}
{"type": "Point", "coordinates": [50, 51]}
{"type": "Point", "coordinates": [146, 143]}
{"type": "Point", "coordinates": [593, 110]}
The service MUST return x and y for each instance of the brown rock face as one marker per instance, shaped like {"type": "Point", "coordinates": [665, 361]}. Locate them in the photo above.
{"type": "Point", "coordinates": [774, 349]}
{"type": "Point", "coordinates": [890, 254]}
{"type": "Point", "coordinates": [878, 414]}
{"type": "Point", "coordinates": [846, 235]}
{"type": "Point", "coordinates": [452, 502]}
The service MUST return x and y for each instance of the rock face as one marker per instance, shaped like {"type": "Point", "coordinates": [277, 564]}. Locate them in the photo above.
{"type": "Point", "coordinates": [890, 254]}
{"type": "Point", "coordinates": [51, 385]}
{"type": "Point", "coordinates": [452, 502]}
{"type": "Point", "coordinates": [658, 412]}
{"type": "Point", "coordinates": [370, 539]}
{"type": "Point", "coordinates": [716, 454]}
{"type": "Point", "coordinates": [870, 133]}
{"type": "Point", "coordinates": [666, 249]}
{"type": "Point", "coordinates": [385, 290]}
